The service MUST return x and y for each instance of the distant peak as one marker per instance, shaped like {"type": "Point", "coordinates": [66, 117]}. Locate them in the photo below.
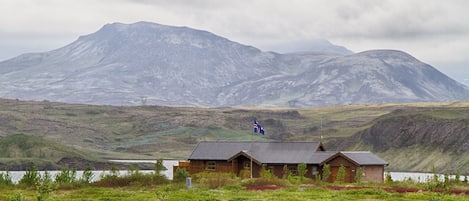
{"type": "Point", "coordinates": [386, 53]}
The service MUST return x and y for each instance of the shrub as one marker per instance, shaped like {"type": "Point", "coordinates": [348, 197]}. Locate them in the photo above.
{"type": "Point", "coordinates": [181, 174]}
{"type": "Point", "coordinates": [31, 177]}
{"type": "Point", "coordinates": [87, 176]}
{"type": "Point", "coordinates": [286, 172]}
{"type": "Point", "coordinates": [215, 179]}
{"type": "Point", "coordinates": [133, 178]}
{"type": "Point", "coordinates": [18, 197]}
{"type": "Point", "coordinates": [326, 172]}
{"type": "Point", "coordinates": [341, 174]}
{"type": "Point", "coordinates": [359, 175]}
{"type": "Point", "coordinates": [5, 179]}
{"type": "Point", "coordinates": [159, 166]}
{"type": "Point", "coordinates": [267, 174]}
{"type": "Point", "coordinates": [66, 176]}
{"type": "Point", "coordinates": [388, 178]}
{"type": "Point", "coordinates": [302, 169]}
{"type": "Point", "coordinates": [45, 186]}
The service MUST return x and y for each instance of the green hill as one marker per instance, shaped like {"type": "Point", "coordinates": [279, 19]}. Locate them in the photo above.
{"type": "Point", "coordinates": [18, 151]}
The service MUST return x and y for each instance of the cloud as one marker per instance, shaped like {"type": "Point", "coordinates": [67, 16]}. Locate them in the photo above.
{"type": "Point", "coordinates": [431, 30]}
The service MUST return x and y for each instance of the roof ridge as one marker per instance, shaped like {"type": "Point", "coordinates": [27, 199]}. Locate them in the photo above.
{"type": "Point", "coordinates": [228, 141]}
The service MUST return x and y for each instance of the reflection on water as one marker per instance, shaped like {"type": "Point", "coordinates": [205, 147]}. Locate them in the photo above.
{"type": "Point", "coordinates": [17, 175]}
{"type": "Point", "coordinates": [419, 176]}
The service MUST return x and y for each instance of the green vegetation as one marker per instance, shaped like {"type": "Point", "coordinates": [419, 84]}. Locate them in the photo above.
{"type": "Point", "coordinates": [224, 186]}
{"type": "Point", "coordinates": [341, 174]}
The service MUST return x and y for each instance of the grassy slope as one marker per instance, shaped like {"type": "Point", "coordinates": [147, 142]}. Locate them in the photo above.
{"type": "Point", "coordinates": [165, 132]}
{"type": "Point", "coordinates": [18, 149]}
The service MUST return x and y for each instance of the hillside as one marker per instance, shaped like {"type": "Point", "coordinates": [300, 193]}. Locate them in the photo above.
{"type": "Point", "coordinates": [19, 152]}
{"type": "Point", "coordinates": [152, 132]}
{"type": "Point", "coordinates": [152, 64]}
{"type": "Point", "coordinates": [417, 139]}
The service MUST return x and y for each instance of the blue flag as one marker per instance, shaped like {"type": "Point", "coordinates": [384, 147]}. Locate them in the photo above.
{"type": "Point", "coordinates": [258, 128]}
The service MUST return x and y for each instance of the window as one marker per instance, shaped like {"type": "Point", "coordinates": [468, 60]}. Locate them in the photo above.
{"type": "Point", "coordinates": [314, 170]}
{"type": "Point", "coordinates": [293, 170]}
{"type": "Point", "coordinates": [363, 171]}
{"type": "Point", "coordinates": [247, 164]}
{"type": "Point", "coordinates": [211, 165]}
{"type": "Point", "coordinates": [271, 169]}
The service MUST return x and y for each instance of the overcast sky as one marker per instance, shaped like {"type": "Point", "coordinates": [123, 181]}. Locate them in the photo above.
{"type": "Point", "coordinates": [434, 31]}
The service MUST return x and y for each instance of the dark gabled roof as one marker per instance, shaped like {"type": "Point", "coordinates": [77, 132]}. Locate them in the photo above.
{"type": "Point", "coordinates": [358, 158]}
{"type": "Point", "coordinates": [279, 153]}
{"type": "Point", "coordinates": [264, 152]}
{"type": "Point", "coordinates": [364, 158]}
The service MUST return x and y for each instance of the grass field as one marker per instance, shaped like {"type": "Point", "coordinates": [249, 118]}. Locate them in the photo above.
{"type": "Point", "coordinates": [177, 192]}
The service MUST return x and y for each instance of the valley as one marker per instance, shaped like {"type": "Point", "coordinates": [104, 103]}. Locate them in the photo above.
{"type": "Point", "coordinates": [432, 135]}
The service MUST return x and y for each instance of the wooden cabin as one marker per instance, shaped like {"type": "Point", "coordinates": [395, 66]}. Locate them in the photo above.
{"type": "Point", "coordinates": [246, 159]}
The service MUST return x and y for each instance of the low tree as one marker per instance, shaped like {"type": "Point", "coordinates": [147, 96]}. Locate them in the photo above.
{"type": "Point", "coordinates": [5, 179]}
{"type": "Point", "coordinates": [181, 174]}
{"type": "Point", "coordinates": [286, 172]}
{"type": "Point", "coordinates": [341, 174]}
{"type": "Point", "coordinates": [31, 177]}
{"type": "Point", "coordinates": [159, 166]}
{"type": "Point", "coordinates": [302, 169]}
{"type": "Point", "coordinates": [359, 175]}
{"type": "Point", "coordinates": [87, 176]}
{"type": "Point", "coordinates": [326, 172]}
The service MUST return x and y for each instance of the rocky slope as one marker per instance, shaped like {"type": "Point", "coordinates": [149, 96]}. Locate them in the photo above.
{"type": "Point", "coordinates": [417, 139]}
{"type": "Point", "coordinates": [148, 63]}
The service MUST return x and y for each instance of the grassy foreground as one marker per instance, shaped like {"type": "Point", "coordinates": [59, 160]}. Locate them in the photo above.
{"type": "Point", "coordinates": [179, 192]}
{"type": "Point", "coordinates": [220, 186]}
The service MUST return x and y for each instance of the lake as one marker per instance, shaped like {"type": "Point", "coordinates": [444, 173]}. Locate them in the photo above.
{"type": "Point", "coordinates": [17, 175]}
{"type": "Point", "coordinates": [396, 176]}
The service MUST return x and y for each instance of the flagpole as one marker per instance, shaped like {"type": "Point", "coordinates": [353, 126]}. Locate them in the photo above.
{"type": "Point", "coordinates": [250, 155]}
{"type": "Point", "coordinates": [251, 161]}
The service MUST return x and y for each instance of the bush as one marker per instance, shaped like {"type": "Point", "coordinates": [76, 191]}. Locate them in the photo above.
{"type": "Point", "coordinates": [326, 172]}
{"type": "Point", "coordinates": [87, 176]}
{"type": "Point", "coordinates": [286, 172]}
{"type": "Point", "coordinates": [388, 179]}
{"type": "Point", "coordinates": [302, 169]}
{"type": "Point", "coordinates": [214, 180]}
{"type": "Point", "coordinates": [133, 178]}
{"type": "Point", "coordinates": [5, 179]}
{"type": "Point", "coordinates": [341, 174]}
{"type": "Point", "coordinates": [180, 175]}
{"type": "Point", "coordinates": [31, 177]}
{"type": "Point", "coordinates": [18, 197]}
{"type": "Point", "coordinates": [45, 186]}
{"type": "Point", "coordinates": [359, 175]}
{"type": "Point", "coordinates": [66, 176]}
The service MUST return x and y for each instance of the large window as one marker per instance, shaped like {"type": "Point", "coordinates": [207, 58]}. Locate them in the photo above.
{"type": "Point", "coordinates": [211, 165]}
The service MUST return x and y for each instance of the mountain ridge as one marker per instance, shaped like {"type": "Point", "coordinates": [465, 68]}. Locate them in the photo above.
{"type": "Point", "coordinates": [148, 63]}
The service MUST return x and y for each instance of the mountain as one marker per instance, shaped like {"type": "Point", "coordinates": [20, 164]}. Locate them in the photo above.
{"type": "Point", "coordinates": [148, 63]}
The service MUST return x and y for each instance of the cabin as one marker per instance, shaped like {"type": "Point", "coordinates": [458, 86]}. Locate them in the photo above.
{"type": "Point", "coordinates": [247, 159]}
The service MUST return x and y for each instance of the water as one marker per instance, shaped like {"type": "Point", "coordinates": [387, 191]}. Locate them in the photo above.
{"type": "Point", "coordinates": [17, 175]}
{"type": "Point", "coordinates": [396, 176]}
{"type": "Point", "coordinates": [419, 176]}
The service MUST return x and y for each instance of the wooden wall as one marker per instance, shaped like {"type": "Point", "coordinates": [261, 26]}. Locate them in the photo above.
{"type": "Point", "coordinates": [373, 173]}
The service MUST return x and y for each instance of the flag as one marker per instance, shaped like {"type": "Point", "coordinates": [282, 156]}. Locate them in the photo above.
{"type": "Point", "coordinates": [258, 128]}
